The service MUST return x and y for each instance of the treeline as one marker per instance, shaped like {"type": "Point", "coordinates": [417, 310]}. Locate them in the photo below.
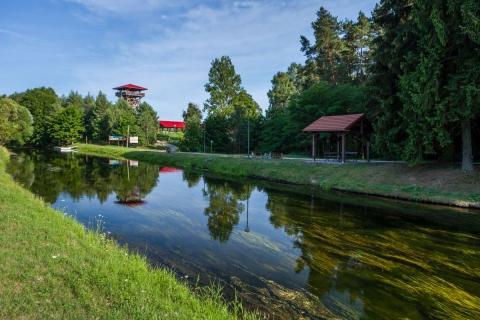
{"type": "Point", "coordinates": [48, 119]}
{"type": "Point", "coordinates": [413, 68]}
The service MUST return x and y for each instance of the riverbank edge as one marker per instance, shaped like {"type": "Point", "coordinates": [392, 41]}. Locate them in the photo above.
{"type": "Point", "coordinates": [350, 178]}
{"type": "Point", "coordinates": [53, 267]}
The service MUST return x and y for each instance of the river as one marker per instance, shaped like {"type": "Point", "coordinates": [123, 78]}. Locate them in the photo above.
{"type": "Point", "coordinates": [287, 251]}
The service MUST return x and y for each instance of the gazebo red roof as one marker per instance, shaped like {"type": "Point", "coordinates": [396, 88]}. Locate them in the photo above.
{"type": "Point", "coordinates": [130, 86]}
{"type": "Point", "coordinates": [341, 123]}
{"type": "Point", "coordinates": [172, 124]}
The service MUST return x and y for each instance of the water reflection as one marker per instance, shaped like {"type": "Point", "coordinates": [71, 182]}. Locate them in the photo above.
{"type": "Point", "coordinates": [290, 255]}
{"type": "Point", "coordinates": [225, 205]}
{"type": "Point", "coordinates": [49, 175]}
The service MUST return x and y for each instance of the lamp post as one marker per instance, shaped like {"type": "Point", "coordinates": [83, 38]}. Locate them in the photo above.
{"type": "Point", "coordinates": [211, 146]}
{"type": "Point", "coordinates": [204, 146]}
{"type": "Point", "coordinates": [128, 134]}
{"type": "Point", "coordinates": [248, 137]}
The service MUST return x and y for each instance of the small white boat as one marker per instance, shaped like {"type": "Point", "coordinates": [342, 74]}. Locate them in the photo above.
{"type": "Point", "coordinates": [64, 149]}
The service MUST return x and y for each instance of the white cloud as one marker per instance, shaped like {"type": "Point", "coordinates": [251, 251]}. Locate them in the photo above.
{"type": "Point", "coordinates": [125, 6]}
{"type": "Point", "coordinates": [174, 63]}
{"type": "Point", "coordinates": [15, 35]}
{"type": "Point", "coordinates": [170, 51]}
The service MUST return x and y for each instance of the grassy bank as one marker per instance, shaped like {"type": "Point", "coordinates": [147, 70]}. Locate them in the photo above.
{"type": "Point", "coordinates": [52, 268]}
{"type": "Point", "coordinates": [432, 183]}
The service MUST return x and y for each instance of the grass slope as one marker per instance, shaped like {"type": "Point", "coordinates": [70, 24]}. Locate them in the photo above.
{"type": "Point", "coordinates": [442, 184]}
{"type": "Point", "coordinates": [52, 268]}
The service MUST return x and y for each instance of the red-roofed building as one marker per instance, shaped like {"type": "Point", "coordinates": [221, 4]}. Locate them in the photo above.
{"type": "Point", "coordinates": [131, 92]}
{"type": "Point", "coordinates": [166, 125]}
{"type": "Point", "coordinates": [341, 126]}
{"type": "Point", "coordinates": [335, 123]}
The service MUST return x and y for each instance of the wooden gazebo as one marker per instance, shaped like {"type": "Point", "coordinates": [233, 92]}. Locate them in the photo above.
{"type": "Point", "coordinates": [341, 125]}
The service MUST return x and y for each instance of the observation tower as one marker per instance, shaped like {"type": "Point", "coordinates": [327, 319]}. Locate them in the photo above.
{"type": "Point", "coordinates": [132, 93]}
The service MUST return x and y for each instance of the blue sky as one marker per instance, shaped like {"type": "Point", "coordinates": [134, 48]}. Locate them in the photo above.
{"type": "Point", "coordinates": [164, 45]}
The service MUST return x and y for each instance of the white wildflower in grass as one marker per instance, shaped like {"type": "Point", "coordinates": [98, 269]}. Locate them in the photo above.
{"type": "Point", "coordinates": [54, 257]}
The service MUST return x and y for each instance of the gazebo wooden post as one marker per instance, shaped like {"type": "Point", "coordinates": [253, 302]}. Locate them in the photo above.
{"type": "Point", "coordinates": [362, 139]}
{"type": "Point", "coordinates": [344, 137]}
{"type": "Point", "coordinates": [368, 151]}
{"type": "Point", "coordinates": [338, 147]}
{"type": "Point", "coordinates": [313, 146]}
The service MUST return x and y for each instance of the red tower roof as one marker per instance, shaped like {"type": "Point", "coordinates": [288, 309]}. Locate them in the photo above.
{"type": "Point", "coordinates": [130, 87]}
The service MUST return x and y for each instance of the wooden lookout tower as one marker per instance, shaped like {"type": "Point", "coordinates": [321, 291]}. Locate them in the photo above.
{"type": "Point", "coordinates": [132, 93]}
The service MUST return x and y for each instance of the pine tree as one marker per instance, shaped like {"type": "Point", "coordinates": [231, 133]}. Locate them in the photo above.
{"type": "Point", "coordinates": [123, 119]}
{"type": "Point", "coordinates": [229, 107]}
{"type": "Point", "coordinates": [461, 35]}
{"type": "Point", "coordinates": [357, 40]}
{"type": "Point", "coordinates": [325, 55]}
{"type": "Point", "coordinates": [245, 122]}
{"type": "Point", "coordinates": [147, 122]}
{"type": "Point", "coordinates": [193, 136]}
{"type": "Point", "coordinates": [283, 89]}
{"type": "Point", "coordinates": [394, 41]}
{"type": "Point", "coordinates": [89, 103]}
{"type": "Point", "coordinates": [223, 85]}
{"type": "Point", "coordinates": [100, 118]}
{"type": "Point", "coordinates": [425, 77]}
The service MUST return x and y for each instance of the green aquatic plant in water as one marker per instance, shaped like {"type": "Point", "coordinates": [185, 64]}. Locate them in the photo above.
{"type": "Point", "coordinates": [436, 271]}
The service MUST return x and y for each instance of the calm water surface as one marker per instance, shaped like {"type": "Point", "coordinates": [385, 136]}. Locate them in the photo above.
{"type": "Point", "coordinates": [291, 254]}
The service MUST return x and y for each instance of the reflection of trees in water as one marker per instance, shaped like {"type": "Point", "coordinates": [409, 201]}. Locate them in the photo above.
{"type": "Point", "coordinates": [191, 177]}
{"type": "Point", "coordinates": [132, 184]}
{"type": "Point", "coordinates": [224, 206]}
{"type": "Point", "coordinates": [21, 168]}
{"type": "Point", "coordinates": [78, 175]}
{"type": "Point", "coordinates": [354, 258]}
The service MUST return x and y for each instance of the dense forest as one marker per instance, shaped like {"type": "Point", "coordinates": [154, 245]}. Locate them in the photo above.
{"type": "Point", "coordinates": [412, 67]}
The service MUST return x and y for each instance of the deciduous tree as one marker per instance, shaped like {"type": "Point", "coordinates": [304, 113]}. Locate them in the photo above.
{"type": "Point", "coordinates": [42, 104]}
{"type": "Point", "coordinates": [66, 125]}
{"type": "Point", "coordinates": [15, 122]}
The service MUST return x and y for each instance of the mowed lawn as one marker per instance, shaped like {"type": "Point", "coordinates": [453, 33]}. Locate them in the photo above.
{"type": "Point", "coordinates": [52, 268]}
{"type": "Point", "coordinates": [429, 182]}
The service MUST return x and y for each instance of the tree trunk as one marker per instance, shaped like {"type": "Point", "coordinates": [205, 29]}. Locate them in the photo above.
{"type": "Point", "coordinates": [467, 155]}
